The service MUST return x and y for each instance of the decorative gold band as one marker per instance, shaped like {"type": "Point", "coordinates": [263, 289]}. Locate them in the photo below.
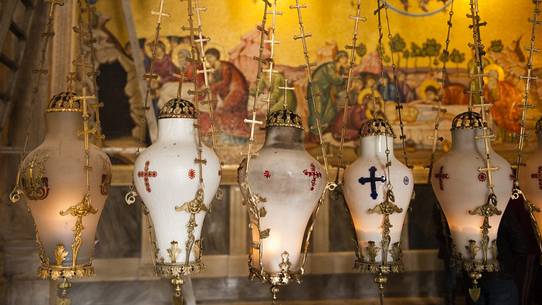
{"type": "Point", "coordinates": [169, 271]}
{"type": "Point", "coordinates": [373, 267]}
{"type": "Point", "coordinates": [49, 110]}
{"type": "Point", "coordinates": [276, 279]}
{"type": "Point", "coordinates": [46, 272]}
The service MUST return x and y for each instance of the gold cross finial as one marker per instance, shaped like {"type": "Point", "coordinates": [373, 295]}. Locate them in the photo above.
{"type": "Point", "coordinates": [160, 13]}
{"type": "Point", "coordinates": [286, 89]}
{"type": "Point", "coordinates": [52, 5]}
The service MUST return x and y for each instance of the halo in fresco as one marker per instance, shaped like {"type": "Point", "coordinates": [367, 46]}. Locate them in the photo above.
{"type": "Point", "coordinates": [418, 8]}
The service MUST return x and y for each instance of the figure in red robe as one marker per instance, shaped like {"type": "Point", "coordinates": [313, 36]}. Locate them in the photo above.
{"type": "Point", "coordinates": [228, 83]}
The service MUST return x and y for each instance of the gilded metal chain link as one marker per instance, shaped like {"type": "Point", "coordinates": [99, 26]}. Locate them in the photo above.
{"type": "Point", "coordinates": [525, 105]}
{"type": "Point", "coordinates": [311, 94]}
{"type": "Point", "coordinates": [47, 35]}
{"type": "Point", "coordinates": [478, 77]}
{"type": "Point", "coordinates": [261, 60]}
{"type": "Point", "coordinates": [357, 18]}
{"type": "Point", "coordinates": [398, 106]}
{"type": "Point", "coordinates": [150, 75]}
{"type": "Point", "coordinates": [443, 83]}
{"type": "Point", "coordinates": [93, 74]}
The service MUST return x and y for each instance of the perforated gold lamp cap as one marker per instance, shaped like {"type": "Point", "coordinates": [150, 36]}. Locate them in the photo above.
{"type": "Point", "coordinates": [284, 118]}
{"type": "Point", "coordinates": [376, 127]}
{"type": "Point", "coordinates": [64, 102]}
{"type": "Point", "coordinates": [467, 120]}
{"type": "Point", "coordinates": [538, 127]}
{"type": "Point", "coordinates": [178, 108]}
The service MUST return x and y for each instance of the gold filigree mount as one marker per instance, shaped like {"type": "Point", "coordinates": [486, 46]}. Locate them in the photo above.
{"type": "Point", "coordinates": [467, 120]}
{"type": "Point", "coordinates": [64, 102]}
{"type": "Point", "coordinates": [376, 127]}
{"type": "Point", "coordinates": [169, 271]}
{"type": "Point", "coordinates": [284, 118]}
{"type": "Point", "coordinates": [367, 263]}
{"type": "Point", "coordinates": [34, 183]}
{"type": "Point", "coordinates": [178, 108]}
{"type": "Point", "coordinates": [48, 272]}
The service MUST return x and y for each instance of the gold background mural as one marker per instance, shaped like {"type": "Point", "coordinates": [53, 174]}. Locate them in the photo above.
{"type": "Point", "coordinates": [418, 29]}
{"type": "Point", "coordinates": [227, 20]}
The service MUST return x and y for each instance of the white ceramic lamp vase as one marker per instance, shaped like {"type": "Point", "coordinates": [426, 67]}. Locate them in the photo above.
{"type": "Point", "coordinates": [53, 179]}
{"type": "Point", "coordinates": [462, 191]}
{"type": "Point", "coordinates": [166, 177]}
{"type": "Point", "coordinates": [286, 185]}
{"type": "Point", "coordinates": [378, 219]}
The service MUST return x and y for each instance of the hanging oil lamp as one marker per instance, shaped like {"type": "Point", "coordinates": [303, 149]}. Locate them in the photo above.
{"type": "Point", "coordinates": [54, 180]}
{"type": "Point", "coordinates": [177, 178]}
{"type": "Point", "coordinates": [66, 179]}
{"type": "Point", "coordinates": [378, 188]}
{"type": "Point", "coordinates": [460, 184]}
{"type": "Point", "coordinates": [283, 185]}
{"type": "Point", "coordinates": [282, 188]}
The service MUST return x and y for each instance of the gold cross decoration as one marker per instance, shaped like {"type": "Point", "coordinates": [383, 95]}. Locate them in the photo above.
{"type": "Point", "coordinates": [160, 13]}
{"type": "Point", "coordinates": [253, 122]}
{"type": "Point", "coordinates": [286, 89]}
{"type": "Point", "coordinates": [52, 6]}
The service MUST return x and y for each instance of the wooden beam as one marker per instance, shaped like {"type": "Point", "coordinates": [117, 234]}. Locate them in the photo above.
{"type": "Point", "coordinates": [5, 19]}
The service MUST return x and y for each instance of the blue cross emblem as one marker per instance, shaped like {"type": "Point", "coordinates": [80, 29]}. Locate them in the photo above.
{"type": "Point", "coordinates": [373, 180]}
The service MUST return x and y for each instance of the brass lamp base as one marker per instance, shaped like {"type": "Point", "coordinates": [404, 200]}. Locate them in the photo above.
{"type": "Point", "coordinates": [475, 269]}
{"type": "Point", "coordinates": [46, 272]}
{"type": "Point", "coordinates": [62, 294]}
{"type": "Point", "coordinates": [175, 272]}
{"type": "Point", "coordinates": [169, 271]}
{"type": "Point", "coordinates": [380, 271]}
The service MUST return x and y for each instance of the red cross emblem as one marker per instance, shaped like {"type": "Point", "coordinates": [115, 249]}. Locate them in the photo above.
{"type": "Point", "coordinates": [267, 174]}
{"type": "Point", "coordinates": [191, 174]}
{"type": "Point", "coordinates": [313, 174]}
{"type": "Point", "coordinates": [146, 174]}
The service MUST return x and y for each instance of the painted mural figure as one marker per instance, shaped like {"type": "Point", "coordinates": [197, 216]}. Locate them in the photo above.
{"type": "Point", "coordinates": [163, 64]}
{"type": "Point", "coordinates": [406, 92]}
{"type": "Point", "coordinates": [277, 94]}
{"type": "Point", "coordinates": [388, 90]}
{"type": "Point", "coordinates": [505, 98]}
{"type": "Point", "coordinates": [229, 84]}
{"type": "Point", "coordinates": [328, 79]}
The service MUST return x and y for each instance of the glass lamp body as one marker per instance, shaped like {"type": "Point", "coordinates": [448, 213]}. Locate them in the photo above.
{"type": "Point", "coordinates": [166, 177]}
{"type": "Point", "coordinates": [362, 194]}
{"type": "Point", "coordinates": [54, 181]}
{"type": "Point", "coordinates": [460, 187]}
{"type": "Point", "coordinates": [291, 182]}
{"type": "Point", "coordinates": [530, 178]}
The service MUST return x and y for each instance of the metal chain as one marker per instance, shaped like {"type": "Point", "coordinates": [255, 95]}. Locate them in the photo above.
{"type": "Point", "coordinates": [528, 78]}
{"type": "Point", "coordinates": [382, 5]}
{"type": "Point", "coordinates": [197, 92]}
{"type": "Point", "coordinates": [398, 106]}
{"type": "Point", "coordinates": [479, 52]}
{"type": "Point", "coordinates": [357, 18]}
{"type": "Point", "coordinates": [272, 42]}
{"type": "Point", "coordinates": [444, 82]}
{"type": "Point", "coordinates": [311, 95]}
{"type": "Point", "coordinates": [47, 35]}
{"type": "Point", "coordinates": [253, 122]}
{"type": "Point", "coordinates": [201, 40]}
{"type": "Point", "coordinates": [150, 75]}
{"type": "Point", "coordinates": [98, 135]}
